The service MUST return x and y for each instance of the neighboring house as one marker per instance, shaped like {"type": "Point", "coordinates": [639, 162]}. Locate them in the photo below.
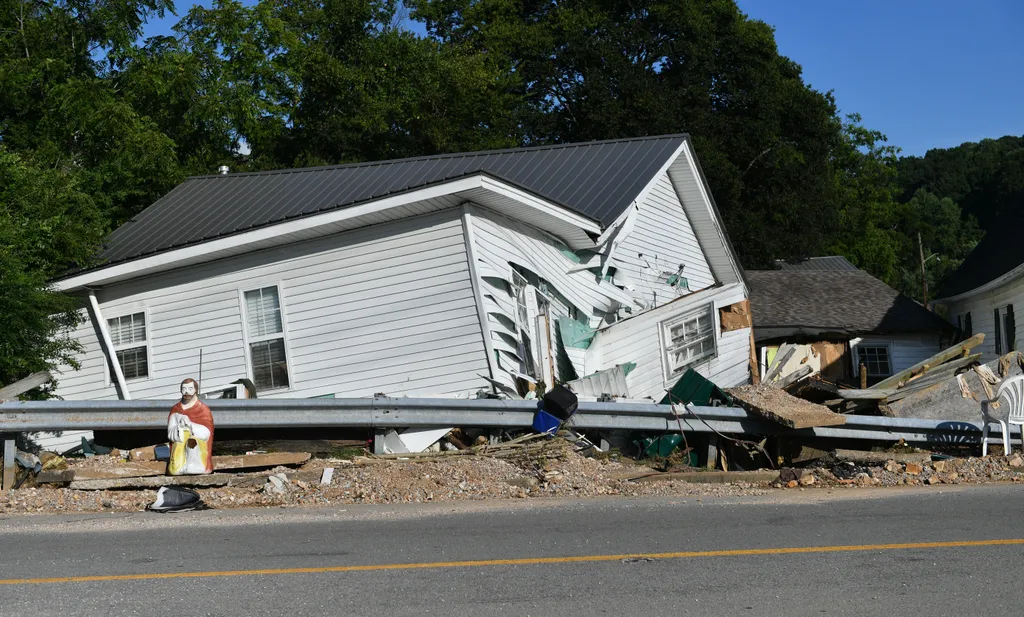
{"type": "Point", "coordinates": [980, 295]}
{"type": "Point", "coordinates": [847, 316]}
{"type": "Point", "coordinates": [420, 276]}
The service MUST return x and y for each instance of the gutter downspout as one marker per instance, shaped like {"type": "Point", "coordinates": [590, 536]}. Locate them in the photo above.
{"type": "Point", "coordinates": [108, 345]}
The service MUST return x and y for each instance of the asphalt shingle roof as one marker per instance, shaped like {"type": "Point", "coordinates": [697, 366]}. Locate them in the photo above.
{"type": "Point", "coordinates": [596, 179]}
{"type": "Point", "coordinates": [833, 303]}
{"type": "Point", "coordinates": [833, 264]}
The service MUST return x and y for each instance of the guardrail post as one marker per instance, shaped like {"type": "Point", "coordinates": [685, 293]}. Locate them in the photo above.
{"type": "Point", "coordinates": [9, 451]}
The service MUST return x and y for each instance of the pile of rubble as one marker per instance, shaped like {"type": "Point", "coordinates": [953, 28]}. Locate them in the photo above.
{"type": "Point", "coordinates": [893, 472]}
{"type": "Point", "coordinates": [551, 468]}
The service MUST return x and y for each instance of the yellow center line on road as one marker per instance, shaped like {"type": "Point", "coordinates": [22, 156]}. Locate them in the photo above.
{"type": "Point", "coordinates": [527, 561]}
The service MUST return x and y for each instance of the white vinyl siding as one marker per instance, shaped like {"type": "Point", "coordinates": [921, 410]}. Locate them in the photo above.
{"type": "Point", "coordinates": [387, 308]}
{"type": "Point", "coordinates": [982, 307]}
{"type": "Point", "coordinates": [638, 339]}
{"type": "Point", "coordinates": [905, 350]}
{"type": "Point", "coordinates": [661, 241]}
{"type": "Point", "coordinates": [128, 335]}
{"type": "Point", "coordinates": [707, 228]}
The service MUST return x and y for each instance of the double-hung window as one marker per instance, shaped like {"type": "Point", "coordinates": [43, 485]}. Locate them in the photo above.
{"type": "Point", "coordinates": [265, 327]}
{"type": "Point", "coordinates": [687, 340]}
{"type": "Point", "coordinates": [128, 334]}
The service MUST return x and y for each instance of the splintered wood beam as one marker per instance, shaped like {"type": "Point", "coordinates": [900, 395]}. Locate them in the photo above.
{"type": "Point", "coordinates": [923, 367]}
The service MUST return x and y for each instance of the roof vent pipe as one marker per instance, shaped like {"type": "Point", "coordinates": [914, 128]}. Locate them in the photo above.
{"type": "Point", "coordinates": [223, 170]}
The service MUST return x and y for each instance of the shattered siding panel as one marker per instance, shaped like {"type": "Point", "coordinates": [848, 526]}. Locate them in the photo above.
{"type": "Point", "coordinates": [638, 339]}
{"type": "Point", "coordinates": [503, 241]}
{"type": "Point", "coordinates": [663, 234]}
{"type": "Point", "coordinates": [362, 312]}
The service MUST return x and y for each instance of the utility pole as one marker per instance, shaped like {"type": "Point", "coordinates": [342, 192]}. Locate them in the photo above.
{"type": "Point", "coordinates": [924, 279]}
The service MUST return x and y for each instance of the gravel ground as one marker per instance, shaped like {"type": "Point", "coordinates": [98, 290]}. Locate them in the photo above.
{"type": "Point", "coordinates": [970, 470]}
{"type": "Point", "coordinates": [557, 472]}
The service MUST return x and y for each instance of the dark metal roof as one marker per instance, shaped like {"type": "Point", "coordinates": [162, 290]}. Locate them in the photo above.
{"type": "Point", "coordinates": [833, 263]}
{"type": "Point", "coordinates": [787, 303]}
{"type": "Point", "coordinates": [597, 179]}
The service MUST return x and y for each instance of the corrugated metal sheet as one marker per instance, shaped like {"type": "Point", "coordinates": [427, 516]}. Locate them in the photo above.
{"type": "Point", "coordinates": [596, 179]}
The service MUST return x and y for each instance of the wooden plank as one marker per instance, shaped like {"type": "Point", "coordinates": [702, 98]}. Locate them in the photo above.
{"type": "Point", "coordinates": [932, 362]}
{"type": "Point", "coordinates": [144, 469]}
{"type": "Point", "coordinates": [794, 377]}
{"type": "Point", "coordinates": [783, 408]}
{"type": "Point", "coordinates": [858, 456]}
{"type": "Point", "coordinates": [871, 394]}
{"type": "Point", "coordinates": [22, 386]}
{"type": "Point", "coordinates": [782, 356]}
{"type": "Point", "coordinates": [9, 450]}
{"type": "Point", "coordinates": [213, 479]}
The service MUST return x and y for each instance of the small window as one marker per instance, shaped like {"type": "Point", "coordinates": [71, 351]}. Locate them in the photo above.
{"type": "Point", "coordinates": [687, 340]}
{"type": "Point", "coordinates": [128, 334]}
{"type": "Point", "coordinates": [876, 359]}
{"type": "Point", "coordinates": [266, 339]}
{"type": "Point", "coordinates": [968, 328]}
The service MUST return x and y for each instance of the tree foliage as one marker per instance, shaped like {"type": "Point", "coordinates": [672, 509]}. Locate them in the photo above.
{"type": "Point", "coordinates": [97, 122]}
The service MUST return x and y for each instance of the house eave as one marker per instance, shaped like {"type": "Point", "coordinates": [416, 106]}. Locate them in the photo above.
{"type": "Point", "coordinates": [575, 230]}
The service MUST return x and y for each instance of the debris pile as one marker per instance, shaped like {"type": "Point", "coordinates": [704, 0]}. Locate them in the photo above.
{"type": "Point", "coordinates": [529, 468]}
{"type": "Point", "coordinates": [892, 472]}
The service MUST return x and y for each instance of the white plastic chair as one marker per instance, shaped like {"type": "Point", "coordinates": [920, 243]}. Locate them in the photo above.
{"type": "Point", "coordinates": [1012, 389]}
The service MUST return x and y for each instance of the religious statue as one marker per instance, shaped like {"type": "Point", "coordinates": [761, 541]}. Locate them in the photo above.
{"type": "Point", "coordinates": [190, 431]}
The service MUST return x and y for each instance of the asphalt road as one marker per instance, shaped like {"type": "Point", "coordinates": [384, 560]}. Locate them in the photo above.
{"type": "Point", "coordinates": [710, 557]}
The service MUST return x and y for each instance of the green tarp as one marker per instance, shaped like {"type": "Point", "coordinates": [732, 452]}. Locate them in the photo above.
{"type": "Point", "coordinates": [692, 387]}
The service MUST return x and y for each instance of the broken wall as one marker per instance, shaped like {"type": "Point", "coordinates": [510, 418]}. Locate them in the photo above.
{"type": "Point", "coordinates": [639, 339]}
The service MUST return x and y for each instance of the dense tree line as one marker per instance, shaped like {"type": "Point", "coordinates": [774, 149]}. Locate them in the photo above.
{"type": "Point", "coordinates": [97, 122]}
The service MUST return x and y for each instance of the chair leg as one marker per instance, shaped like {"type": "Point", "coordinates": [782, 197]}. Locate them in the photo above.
{"type": "Point", "coordinates": [1006, 438]}
{"type": "Point", "coordinates": [984, 439]}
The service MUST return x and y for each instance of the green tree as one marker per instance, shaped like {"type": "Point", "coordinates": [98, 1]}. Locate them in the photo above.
{"type": "Point", "coordinates": [866, 190]}
{"type": "Point", "coordinates": [946, 238]}
{"type": "Point", "coordinates": [594, 70]}
{"type": "Point", "coordinates": [48, 224]}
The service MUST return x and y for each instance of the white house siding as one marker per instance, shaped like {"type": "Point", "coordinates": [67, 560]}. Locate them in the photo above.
{"type": "Point", "coordinates": [981, 307]}
{"type": "Point", "coordinates": [638, 340]}
{"type": "Point", "coordinates": [696, 201]}
{"type": "Point", "coordinates": [905, 350]}
{"type": "Point", "coordinates": [665, 238]}
{"type": "Point", "coordinates": [387, 308]}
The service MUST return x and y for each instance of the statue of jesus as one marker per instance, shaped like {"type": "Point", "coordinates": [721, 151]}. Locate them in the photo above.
{"type": "Point", "coordinates": [190, 431]}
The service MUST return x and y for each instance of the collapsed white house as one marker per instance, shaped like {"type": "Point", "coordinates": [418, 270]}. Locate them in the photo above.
{"type": "Point", "coordinates": [603, 262]}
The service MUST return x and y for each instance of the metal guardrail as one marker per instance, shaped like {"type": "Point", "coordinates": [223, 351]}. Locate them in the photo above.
{"type": "Point", "coordinates": [384, 413]}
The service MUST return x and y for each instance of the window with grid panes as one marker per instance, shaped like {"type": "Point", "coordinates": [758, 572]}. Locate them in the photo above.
{"type": "Point", "coordinates": [688, 339]}
{"type": "Point", "coordinates": [266, 339]}
{"type": "Point", "coordinates": [128, 334]}
{"type": "Point", "coordinates": [876, 359]}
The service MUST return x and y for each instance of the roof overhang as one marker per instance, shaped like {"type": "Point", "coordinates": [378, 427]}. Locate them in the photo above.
{"type": "Point", "coordinates": [577, 231]}
{"type": "Point", "coordinates": [989, 286]}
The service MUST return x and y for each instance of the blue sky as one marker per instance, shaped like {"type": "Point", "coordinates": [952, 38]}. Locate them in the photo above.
{"type": "Point", "coordinates": [927, 73]}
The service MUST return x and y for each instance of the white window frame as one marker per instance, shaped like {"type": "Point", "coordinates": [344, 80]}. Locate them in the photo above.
{"type": "Point", "coordinates": [283, 334]}
{"type": "Point", "coordinates": [861, 345]}
{"type": "Point", "coordinates": [117, 348]}
{"type": "Point", "coordinates": [664, 328]}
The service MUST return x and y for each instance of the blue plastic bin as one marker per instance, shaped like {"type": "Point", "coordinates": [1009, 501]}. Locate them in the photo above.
{"type": "Point", "coordinates": [543, 422]}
